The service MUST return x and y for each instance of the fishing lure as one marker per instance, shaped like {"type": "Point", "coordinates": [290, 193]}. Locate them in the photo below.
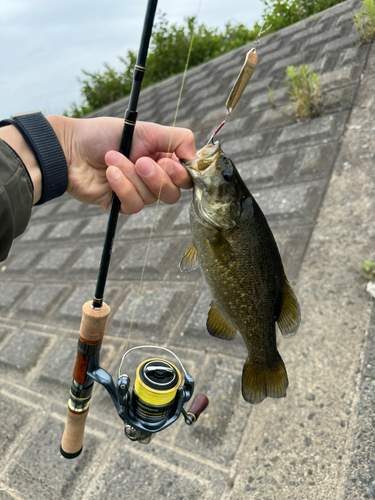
{"type": "Point", "coordinates": [240, 84]}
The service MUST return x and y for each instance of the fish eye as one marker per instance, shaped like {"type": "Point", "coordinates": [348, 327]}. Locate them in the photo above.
{"type": "Point", "coordinates": [227, 175]}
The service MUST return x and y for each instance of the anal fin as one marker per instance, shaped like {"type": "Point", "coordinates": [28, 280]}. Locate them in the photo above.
{"type": "Point", "coordinates": [189, 261]}
{"type": "Point", "coordinates": [218, 326]}
{"type": "Point", "coordinates": [290, 315]}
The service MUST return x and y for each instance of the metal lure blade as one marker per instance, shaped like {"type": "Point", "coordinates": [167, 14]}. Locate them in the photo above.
{"type": "Point", "coordinates": [243, 79]}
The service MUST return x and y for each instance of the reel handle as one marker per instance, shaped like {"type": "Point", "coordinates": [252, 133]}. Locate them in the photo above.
{"type": "Point", "coordinates": [199, 404]}
{"type": "Point", "coordinates": [90, 336]}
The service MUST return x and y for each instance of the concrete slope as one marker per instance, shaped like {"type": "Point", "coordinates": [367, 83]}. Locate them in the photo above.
{"type": "Point", "coordinates": [318, 442]}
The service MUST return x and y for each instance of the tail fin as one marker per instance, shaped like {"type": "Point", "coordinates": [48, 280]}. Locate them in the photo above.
{"type": "Point", "coordinates": [264, 380]}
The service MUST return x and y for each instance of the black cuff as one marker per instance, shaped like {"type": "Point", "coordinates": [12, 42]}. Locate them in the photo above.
{"type": "Point", "coordinates": [41, 138]}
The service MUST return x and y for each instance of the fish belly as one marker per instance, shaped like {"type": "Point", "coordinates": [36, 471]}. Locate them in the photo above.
{"type": "Point", "coordinates": [247, 288]}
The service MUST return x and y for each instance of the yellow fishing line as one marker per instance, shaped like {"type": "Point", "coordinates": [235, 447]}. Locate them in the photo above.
{"type": "Point", "coordinates": [160, 189]}
{"type": "Point", "coordinates": [153, 396]}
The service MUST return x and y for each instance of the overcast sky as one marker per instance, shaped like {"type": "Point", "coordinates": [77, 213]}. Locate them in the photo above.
{"type": "Point", "coordinates": [44, 45]}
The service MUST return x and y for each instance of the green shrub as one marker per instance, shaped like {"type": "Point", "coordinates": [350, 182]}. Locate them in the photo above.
{"type": "Point", "coordinates": [364, 21]}
{"type": "Point", "coordinates": [304, 88]}
{"type": "Point", "coordinates": [99, 89]}
{"type": "Point", "coordinates": [168, 42]}
{"type": "Point", "coordinates": [282, 13]}
{"type": "Point", "coordinates": [169, 48]}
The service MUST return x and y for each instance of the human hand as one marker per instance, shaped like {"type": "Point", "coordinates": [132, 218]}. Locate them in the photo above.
{"type": "Point", "coordinates": [91, 145]}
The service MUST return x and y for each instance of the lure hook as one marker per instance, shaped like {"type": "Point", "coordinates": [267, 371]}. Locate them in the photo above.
{"type": "Point", "coordinates": [242, 80]}
{"type": "Point", "coordinates": [211, 140]}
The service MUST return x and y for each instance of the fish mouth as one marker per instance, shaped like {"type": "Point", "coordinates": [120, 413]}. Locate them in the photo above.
{"type": "Point", "coordinates": [205, 157]}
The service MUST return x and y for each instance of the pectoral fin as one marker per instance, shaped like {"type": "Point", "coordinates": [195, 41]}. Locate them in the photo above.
{"type": "Point", "coordinates": [221, 248]}
{"type": "Point", "coordinates": [189, 261]}
{"type": "Point", "coordinates": [290, 314]}
{"type": "Point", "coordinates": [218, 326]}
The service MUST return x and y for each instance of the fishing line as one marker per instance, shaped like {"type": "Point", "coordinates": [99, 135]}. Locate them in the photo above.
{"type": "Point", "coordinates": [156, 379]}
{"type": "Point", "coordinates": [161, 183]}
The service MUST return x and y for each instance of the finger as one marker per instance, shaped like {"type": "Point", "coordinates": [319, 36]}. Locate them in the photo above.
{"type": "Point", "coordinates": [157, 180]}
{"type": "Point", "coordinates": [177, 173]}
{"type": "Point", "coordinates": [159, 138]}
{"type": "Point", "coordinates": [128, 169]}
{"type": "Point", "coordinates": [131, 202]}
{"type": "Point", "coordinates": [172, 156]}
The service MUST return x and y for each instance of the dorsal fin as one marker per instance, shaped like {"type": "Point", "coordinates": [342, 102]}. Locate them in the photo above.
{"type": "Point", "coordinates": [218, 326]}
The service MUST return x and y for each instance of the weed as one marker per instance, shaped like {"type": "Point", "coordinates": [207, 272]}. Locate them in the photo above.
{"type": "Point", "coordinates": [304, 88]}
{"type": "Point", "coordinates": [364, 21]}
{"type": "Point", "coordinates": [368, 270]}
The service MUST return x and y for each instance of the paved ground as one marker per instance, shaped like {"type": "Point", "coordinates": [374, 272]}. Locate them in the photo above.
{"type": "Point", "coordinates": [315, 183]}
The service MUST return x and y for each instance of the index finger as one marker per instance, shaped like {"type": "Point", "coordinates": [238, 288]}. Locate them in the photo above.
{"type": "Point", "coordinates": [161, 139]}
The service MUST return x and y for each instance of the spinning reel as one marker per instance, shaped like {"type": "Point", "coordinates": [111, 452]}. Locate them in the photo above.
{"type": "Point", "coordinates": [157, 398]}
{"type": "Point", "coordinates": [154, 402]}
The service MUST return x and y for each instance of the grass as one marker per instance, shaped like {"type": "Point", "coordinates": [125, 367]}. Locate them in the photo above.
{"type": "Point", "coordinates": [364, 21]}
{"type": "Point", "coordinates": [304, 89]}
{"type": "Point", "coordinates": [368, 270]}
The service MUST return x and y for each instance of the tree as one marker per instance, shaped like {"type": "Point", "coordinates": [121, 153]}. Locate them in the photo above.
{"type": "Point", "coordinates": [169, 41]}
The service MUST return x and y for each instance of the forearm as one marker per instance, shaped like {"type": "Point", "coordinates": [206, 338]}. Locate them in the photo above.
{"type": "Point", "coordinates": [16, 198]}
{"type": "Point", "coordinates": [14, 139]}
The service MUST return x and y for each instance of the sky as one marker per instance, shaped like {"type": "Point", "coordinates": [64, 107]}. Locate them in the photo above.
{"type": "Point", "coordinates": [45, 44]}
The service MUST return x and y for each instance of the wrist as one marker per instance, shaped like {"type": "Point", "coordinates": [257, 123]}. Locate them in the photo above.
{"type": "Point", "coordinates": [64, 130]}
{"type": "Point", "coordinates": [42, 141]}
{"type": "Point", "coordinates": [61, 126]}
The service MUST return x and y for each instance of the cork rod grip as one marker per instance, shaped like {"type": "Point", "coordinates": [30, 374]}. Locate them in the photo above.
{"type": "Point", "coordinates": [93, 323]}
{"type": "Point", "coordinates": [72, 440]}
{"type": "Point", "coordinates": [91, 332]}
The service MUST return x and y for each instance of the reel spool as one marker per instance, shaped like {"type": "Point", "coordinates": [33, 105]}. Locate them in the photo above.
{"type": "Point", "coordinates": [157, 398]}
{"type": "Point", "coordinates": [155, 389]}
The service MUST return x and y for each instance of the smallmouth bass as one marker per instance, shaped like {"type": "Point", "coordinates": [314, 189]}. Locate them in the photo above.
{"type": "Point", "coordinates": [241, 264]}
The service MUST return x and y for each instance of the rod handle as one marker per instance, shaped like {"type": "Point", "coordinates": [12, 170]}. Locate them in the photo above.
{"type": "Point", "coordinates": [199, 404]}
{"type": "Point", "coordinates": [72, 440]}
{"type": "Point", "coordinates": [90, 335]}
{"type": "Point", "coordinates": [93, 322]}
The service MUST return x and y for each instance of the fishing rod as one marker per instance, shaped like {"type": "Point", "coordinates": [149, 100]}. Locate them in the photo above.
{"type": "Point", "coordinates": [157, 399]}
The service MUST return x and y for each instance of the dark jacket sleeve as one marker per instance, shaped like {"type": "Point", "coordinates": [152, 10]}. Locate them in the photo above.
{"type": "Point", "coordinates": [16, 198]}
